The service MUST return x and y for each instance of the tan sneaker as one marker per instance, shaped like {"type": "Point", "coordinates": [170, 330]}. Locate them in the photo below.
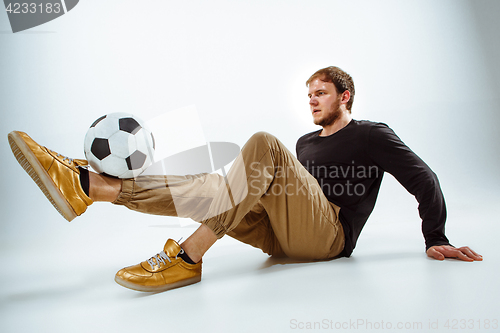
{"type": "Point", "coordinates": [162, 272]}
{"type": "Point", "coordinates": [57, 176]}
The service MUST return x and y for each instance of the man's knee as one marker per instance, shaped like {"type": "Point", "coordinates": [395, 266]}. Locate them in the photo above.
{"type": "Point", "coordinates": [260, 138]}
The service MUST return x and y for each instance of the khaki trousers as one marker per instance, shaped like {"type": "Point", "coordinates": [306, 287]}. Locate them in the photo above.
{"type": "Point", "coordinates": [268, 200]}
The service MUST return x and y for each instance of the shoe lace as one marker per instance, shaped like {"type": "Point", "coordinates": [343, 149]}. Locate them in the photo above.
{"type": "Point", "coordinates": [70, 160]}
{"type": "Point", "coordinates": [160, 258]}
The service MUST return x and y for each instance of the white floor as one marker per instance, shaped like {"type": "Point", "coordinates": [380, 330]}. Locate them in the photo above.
{"type": "Point", "coordinates": [64, 283]}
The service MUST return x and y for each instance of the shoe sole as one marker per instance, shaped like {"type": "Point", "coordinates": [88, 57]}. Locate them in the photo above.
{"type": "Point", "coordinates": [165, 287]}
{"type": "Point", "coordinates": [35, 170]}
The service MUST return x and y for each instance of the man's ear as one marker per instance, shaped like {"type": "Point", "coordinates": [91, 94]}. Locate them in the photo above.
{"type": "Point", "coordinates": [345, 97]}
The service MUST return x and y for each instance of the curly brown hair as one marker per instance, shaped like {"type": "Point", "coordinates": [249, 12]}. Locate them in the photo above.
{"type": "Point", "coordinates": [340, 79]}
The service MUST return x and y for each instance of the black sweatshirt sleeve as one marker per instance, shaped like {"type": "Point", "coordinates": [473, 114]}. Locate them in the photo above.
{"type": "Point", "coordinates": [388, 151]}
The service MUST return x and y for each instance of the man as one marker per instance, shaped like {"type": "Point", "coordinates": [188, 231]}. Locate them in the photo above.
{"type": "Point", "coordinates": [310, 208]}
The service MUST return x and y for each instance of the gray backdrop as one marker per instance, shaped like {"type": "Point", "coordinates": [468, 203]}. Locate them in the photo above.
{"type": "Point", "coordinates": [429, 69]}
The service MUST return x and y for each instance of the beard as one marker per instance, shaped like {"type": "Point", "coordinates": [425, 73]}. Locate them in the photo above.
{"type": "Point", "coordinates": [331, 117]}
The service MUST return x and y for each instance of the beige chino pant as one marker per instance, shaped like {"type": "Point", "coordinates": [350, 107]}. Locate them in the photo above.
{"type": "Point", "coordinates": [268, 200]}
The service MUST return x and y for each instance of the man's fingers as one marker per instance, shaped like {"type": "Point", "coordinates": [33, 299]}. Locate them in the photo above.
{"type": "Point", "coordinates": [471, 254]}
{"type": "Point", "coordinates": [463, 253]}
{"type": "Point", "coordinates": [460, 255]}
{"type": "Point", "coordinates": [433, 253]}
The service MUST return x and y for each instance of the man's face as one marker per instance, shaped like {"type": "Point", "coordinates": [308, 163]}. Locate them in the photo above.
{"type": "Point", "coordinates": [324, 102]}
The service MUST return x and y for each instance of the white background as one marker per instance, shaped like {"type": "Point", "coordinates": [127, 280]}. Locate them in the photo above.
{"type": "Point", "coordinates": [429, 69]}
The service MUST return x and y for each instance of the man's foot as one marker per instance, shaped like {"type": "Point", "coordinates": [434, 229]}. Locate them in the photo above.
{"type": "Point", "coordinates": [164, 271]}
{"type": "Point", "coordinates": [57, 176]}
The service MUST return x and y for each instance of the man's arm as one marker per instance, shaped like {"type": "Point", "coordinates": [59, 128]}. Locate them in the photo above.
{"type": "Point", "coordinates": [394, 157]}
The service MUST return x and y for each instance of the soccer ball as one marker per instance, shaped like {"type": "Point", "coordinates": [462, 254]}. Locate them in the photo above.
{"type": "Point", "coordinates": [119, 145]}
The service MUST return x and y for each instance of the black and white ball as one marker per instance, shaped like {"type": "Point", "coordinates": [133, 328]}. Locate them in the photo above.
{"type": "Point", "coordinates": [119, 145]}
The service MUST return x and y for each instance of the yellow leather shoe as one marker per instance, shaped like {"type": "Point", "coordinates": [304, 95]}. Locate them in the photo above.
{"type": "Point", "coordinates": [57, 176]}
{"type": "Point", "coordinates": [162, 272]}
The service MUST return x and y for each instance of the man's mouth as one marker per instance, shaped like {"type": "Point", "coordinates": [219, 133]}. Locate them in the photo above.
{"type": "Point", "coordinates": [316, 111]}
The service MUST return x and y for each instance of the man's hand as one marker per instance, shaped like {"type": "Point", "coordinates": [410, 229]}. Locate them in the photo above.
{"type": "Point", "coordinates": [440, 252]}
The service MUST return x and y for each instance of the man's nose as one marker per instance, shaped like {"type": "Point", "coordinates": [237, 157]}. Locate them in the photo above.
{"type": "Point", "coordinates": [313, 101]}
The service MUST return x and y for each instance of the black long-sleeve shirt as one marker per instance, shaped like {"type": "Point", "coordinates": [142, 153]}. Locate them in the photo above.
{"type": "Point", "coordinates": [349, 166]}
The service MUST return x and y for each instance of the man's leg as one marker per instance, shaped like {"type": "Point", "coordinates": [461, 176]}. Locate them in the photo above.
{"type": "Point", "coordinates": [269, 201]}
{"type": "Point", "coordinates": [177, 265]}
{"type": "Point", "coordinates": [104, 189]}
{"type": "Point", "coordinates": [190, 196]}
{"type": "Point", "coordinates": [302, 220]}
{"type": "Point", "coordinates": [233, 209]}
{"type": "Point", "coordinates": [108, 189]}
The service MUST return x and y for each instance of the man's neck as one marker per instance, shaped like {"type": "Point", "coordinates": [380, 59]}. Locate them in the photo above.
{"type": "Point", "coordinates": [337, 125]}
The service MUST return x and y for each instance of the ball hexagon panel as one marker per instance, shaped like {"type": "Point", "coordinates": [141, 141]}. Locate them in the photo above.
{"type": "Point", "coordinates": [106, 127]}
{"type": "Point", "coordinates": [122, 144]}
{"type": "Point", "coordinates": [95, 164]}
{"type": "Point", "coordinates": [114, 166]}
{"type": "Point", "coordinates": [145, 142]}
